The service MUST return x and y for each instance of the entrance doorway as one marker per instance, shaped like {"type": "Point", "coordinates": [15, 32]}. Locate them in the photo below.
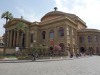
{"type": "Point", "coordinates": [82, 50]}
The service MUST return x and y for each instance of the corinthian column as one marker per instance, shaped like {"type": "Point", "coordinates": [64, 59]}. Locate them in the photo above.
{"type": "Point", "coordinates": [27, 39]}
{"type": "Point", "coordinates": [14, 38]}
{"type": "Point", "coordinates": [7, 38]}
{"type": "Point", "coordinates": [11, 38]}
{"type": "Point", "coordinates": [17, 40]}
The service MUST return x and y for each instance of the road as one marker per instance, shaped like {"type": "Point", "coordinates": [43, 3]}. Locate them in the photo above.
{"type": "Point", "coordinates": [81, 66]}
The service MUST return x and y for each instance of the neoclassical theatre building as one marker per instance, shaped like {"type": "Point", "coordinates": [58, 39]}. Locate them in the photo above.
{"type": "Point", "coordinates": [57, 28]}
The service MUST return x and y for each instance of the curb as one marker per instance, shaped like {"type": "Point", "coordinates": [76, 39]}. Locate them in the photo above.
{"type": "Point", "coordinates": [38, 60]}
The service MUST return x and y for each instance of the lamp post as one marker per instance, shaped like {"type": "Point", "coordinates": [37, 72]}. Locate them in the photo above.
{"type": "Point", "coordinates": [68, 52]}
{"type": "Point", "coordinates": [34, 43]}
{"type": "Point", "coordinates": [32, 46]}
{"type": "Point", "coordinates": [77, 49]}
{"type": "Point", "coordinates": [34, 52]}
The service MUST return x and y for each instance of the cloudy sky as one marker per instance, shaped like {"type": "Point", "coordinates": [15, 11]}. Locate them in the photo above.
{"type": "Point", "coordinates": [33, 10]}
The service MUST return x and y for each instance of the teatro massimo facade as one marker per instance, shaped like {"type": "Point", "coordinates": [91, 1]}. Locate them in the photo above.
{"type": "Point", "coordinates": [55, 28]}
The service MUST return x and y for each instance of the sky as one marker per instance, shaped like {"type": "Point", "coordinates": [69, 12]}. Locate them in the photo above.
{"type": "Point", "coordinates": [34, 10]}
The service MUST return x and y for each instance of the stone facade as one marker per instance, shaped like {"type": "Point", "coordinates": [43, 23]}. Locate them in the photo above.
{"type": "Point", "coordinates": [1, 42]}
{"type": "Point", "coordinates": [89, 40]}
{"type": "Point", "coordinates": [56, 27]}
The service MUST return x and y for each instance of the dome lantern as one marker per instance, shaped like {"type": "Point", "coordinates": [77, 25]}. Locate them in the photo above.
{"type": "Point", "coordinates": [55, 8]}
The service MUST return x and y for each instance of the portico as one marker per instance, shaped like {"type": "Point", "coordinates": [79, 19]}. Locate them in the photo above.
{"type": "Point", "coordinates": [64, 29]}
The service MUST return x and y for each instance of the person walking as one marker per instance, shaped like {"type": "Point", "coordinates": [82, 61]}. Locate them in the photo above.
{"type": "Point", "coordinates": [33, 57]}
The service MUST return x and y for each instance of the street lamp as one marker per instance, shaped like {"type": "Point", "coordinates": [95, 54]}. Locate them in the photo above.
{"type": "Point", "coordinates": [77, 49]}
{"type": "Point", "coordinates": [68, 52]}
{"type": "Point", "coordinates": [34, 43]}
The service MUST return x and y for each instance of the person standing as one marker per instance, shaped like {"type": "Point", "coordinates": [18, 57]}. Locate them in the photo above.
{"type": "Point", "coordinates": [33, 57]}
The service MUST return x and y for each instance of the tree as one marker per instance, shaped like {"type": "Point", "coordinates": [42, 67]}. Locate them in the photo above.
{"type": "Point", "coordinates": [41, 50]}
{"type": "Point", "coordinates": [23, 28]}
{"type": "Point", "coordinates": [7, 15]}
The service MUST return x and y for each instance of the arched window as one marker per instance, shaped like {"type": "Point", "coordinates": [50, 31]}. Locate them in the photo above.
{"type": "Point", "coordinates": [81, 39]}
{"type": "Point", "coordinates": [89, 39]}
{"type": "Point", "coordinates": [43, 34]}
{"type": "Point", "coordinates": [61, 31]}
{"type": "Point", "coordinates": [51, 34]}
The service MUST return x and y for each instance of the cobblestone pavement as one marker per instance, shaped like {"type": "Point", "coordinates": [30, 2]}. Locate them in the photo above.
{"type": "Point", "coordinates": [82, 66]}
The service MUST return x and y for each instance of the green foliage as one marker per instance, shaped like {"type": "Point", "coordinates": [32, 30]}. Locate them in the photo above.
{"type": "Point", "coordinates": [7, 56]}
{"type": "Point", "coordinates": [51, 47]}
{"type": "Point", "coordinates": [7, 15]}
{"type": "Point", "coordinates": [21, 27]}
{"type": "Point", "coordinates": [1, 57]}
{"type": "Point", "coordinates": [24, 57]}
{"type": "Point", "coordinates": [34, 49]}
{"type": "Point", "coordinates": [41, 50]}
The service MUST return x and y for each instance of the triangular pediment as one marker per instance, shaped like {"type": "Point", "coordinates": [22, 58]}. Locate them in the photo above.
{"type": "Point", "coordinates": [16, 21]}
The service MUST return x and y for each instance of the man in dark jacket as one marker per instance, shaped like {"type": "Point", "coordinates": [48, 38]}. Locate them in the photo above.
{"type": "Point", "coordinates": [34, 58]}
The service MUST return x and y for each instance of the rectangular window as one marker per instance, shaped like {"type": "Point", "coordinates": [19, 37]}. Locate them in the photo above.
{"type": "Point", "coordinates": [52, 35]}
{"type": "Point", "coordinates": [89, 39]}
{"type": "Point", "coordinates": [81, 39]}
{"type": "Point", "coordinates": [61, 32]}
{"type": "Point", "coordinates": [95, 38]}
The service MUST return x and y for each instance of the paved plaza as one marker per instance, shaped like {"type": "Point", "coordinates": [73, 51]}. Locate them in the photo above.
{"type": "Point", "coordinates": [77, 66]}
